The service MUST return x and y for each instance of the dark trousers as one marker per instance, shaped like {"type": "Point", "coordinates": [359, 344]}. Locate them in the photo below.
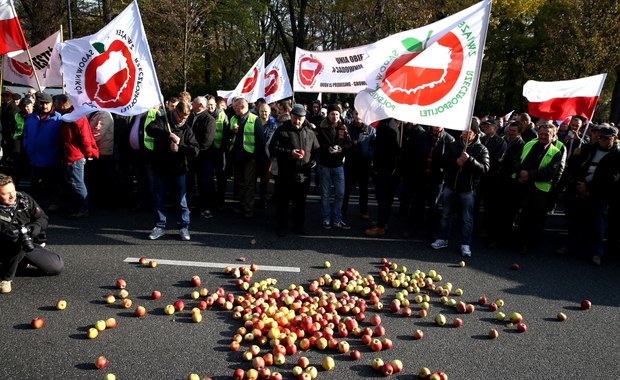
{"type": "Point", "coordinates": [356, 173]}
{"type": "Point", "coordinates": [385, 181]}
{"type": "Point", "coordinates": [424, 204]}
{"type": "Point", "coordinates": [533, 215]}
{"type": "Point", "coordinates": [245, 184]}
{"type": "Point", "coordinates": [221, 176]}
{"type": "Point", "coordinates": [205, 175]}
{"type": "Point", "coordinates": [46, 261]}
{"type": "Point", "coordinates": [46, 185]}
{"type": "Point", "coordinates": [102, 181]}
{"type": "Point", "coordinates": [290, 191]}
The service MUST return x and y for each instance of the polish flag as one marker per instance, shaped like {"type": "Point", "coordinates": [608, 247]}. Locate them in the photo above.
{"type": "Point", "coordinates": [561, 99]}
{"type": "Point", "coordinates": [11, 34]}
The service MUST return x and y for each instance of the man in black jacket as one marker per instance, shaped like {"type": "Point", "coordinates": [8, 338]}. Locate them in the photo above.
{"type": "Point", "coordinates": [202, 169]}
{"type": "Point", "coordinates": [465, 161]}
{"type": "Point", "coordinates": [295, 147]}
{"type": "Point", "coordinates": [174, 143]}
{"type": "Point", "coordinates": [22, 227]}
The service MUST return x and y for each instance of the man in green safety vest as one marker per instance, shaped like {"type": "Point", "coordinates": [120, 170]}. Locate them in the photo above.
{"type": "Point", "coordinates": [246, 152]}
{"type": "Point", "coordinates": [541, 161]}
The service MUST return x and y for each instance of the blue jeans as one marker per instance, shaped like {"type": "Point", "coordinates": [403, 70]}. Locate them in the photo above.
{"type": "Point", "coordinates": [463, 201]}
{"type": "Point", "coordinates": [74, 175]}
{"type": "Point", "coordinates": [178, 191]}
{"type": "Point", "coordinates": [332, 177]}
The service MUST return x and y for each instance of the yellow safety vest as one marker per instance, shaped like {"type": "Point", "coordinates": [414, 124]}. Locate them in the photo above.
{"type": "Point", "coordinates": [248, 133]}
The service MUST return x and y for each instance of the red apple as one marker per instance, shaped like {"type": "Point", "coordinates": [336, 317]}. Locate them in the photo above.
{"type": "Point", "coordinates": [376, 345]}
{"type": "Point", "coordinates": [493, 306]}
{"type": "Point", "coordinates": [179, 305]}
{"type": "Point", "coordinates": [143, 260]}
{"type": "Point", "coordinates": [140, 311]}
{"type": "Point", "coordinates": [121, 284]}
{"type": "Point", "coordinates": [457, 322]}
{"type": "Point", "coordinates": [397, 365]}
{"type": "Point", "coordinates": [375, 320]}
{"type": "Point", "coordinates": [482, 300]}
{"type": "Point", "coordinates": [196, 281]}
{"type": "Point", "coordinates": [493, 333]}
{"type": "Point", "coordinates": [387, 369]}
{"type": "Point", "coordinates": [515, 266]}
{"type": "Point", "coordinates": [522, 327]}
{"type": "Point", "coordinates": [156, 295]}
{"type": "Point", "coordinates": [101, 362]}
{"type": "Point", "coordinates": [586, 304]}
{"type": "Point", "coordinates": [110, 323]}
{"type": "Point", "coordinates": [239, 374]}
{"type": "Point", "coordinates": [418, 334]}
{"type": "Point", "coordinates": [356, 355]}
{"type": "Point", "coordinates": [37, 323]}
{"type": "Point", "coordinates": [387, 344]}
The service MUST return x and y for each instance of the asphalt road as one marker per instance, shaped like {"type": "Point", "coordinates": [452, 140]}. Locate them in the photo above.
{"type": "Point", "coordinates": [159, 346]}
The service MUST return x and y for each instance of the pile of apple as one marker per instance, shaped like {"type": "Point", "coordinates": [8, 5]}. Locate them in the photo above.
{"type": "Point", "coordinates": [277, 323]}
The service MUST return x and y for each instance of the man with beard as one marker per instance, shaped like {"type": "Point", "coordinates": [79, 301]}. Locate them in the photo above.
{"type": "Point", "coordinates": [42, 144]}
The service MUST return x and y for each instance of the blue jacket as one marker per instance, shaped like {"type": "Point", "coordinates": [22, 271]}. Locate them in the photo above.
{"type": "Point", "coordinates": [42, 139]}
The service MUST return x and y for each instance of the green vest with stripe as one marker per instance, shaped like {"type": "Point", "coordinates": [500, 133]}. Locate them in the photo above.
{"type": "Point", "coordinates": [149, 142]}
{"type": "Point", "coordinates": [551, 152]}
{"type": "Point", "coordinates": [219, 129]}
{"type": "Point", "coordinates": [248, 133]}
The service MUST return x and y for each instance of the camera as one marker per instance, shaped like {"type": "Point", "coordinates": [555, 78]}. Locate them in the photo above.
{"type": "Point", "coordinates": [22, 234]}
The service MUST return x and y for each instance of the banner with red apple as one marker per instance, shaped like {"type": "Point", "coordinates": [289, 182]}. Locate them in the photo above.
{"type": "Point", "coordinates": [252, 86]}
{"type": "Point", "coordinates": [338, 71]}
{"type": "Point", "coordinates": [111, 70]}
{"type": "Point", "coordinates": [17, 68]}
{"type": "Point", "coordinates": [427, 75]}
{"type": "Point", "coordinates": [277, 84]}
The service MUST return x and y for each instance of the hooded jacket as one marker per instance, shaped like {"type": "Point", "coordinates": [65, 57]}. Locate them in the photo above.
{"type": "Point", "coordinates": [329, 137]}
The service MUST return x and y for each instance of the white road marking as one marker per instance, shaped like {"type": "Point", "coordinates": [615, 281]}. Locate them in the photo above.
{"type": "Point", "coordinates": [215, 265]}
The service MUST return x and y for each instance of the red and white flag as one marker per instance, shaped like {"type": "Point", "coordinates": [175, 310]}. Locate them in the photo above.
{"type": "Point", "coordinates": [277, 84]}
{"type": "Point", "coordinates": [427, 75]}
{"type": "Point", "coordinates": [11, 34]}
{"type": "Point", "coordinates": [111, 70]}
{"type": "Point", "coordinates": [561, 99]}
{"type": "Point", "coordinates": [17, 68]}
{"type": "Point", "coordinates": [252, 86]}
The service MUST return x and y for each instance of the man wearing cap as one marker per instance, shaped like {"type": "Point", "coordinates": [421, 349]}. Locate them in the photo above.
{"type": "Point", "coordinates": [465, 161]}
{"type": "Point", "coordinates": [590, 192]}
{"type": "Point", "coordinates": [42, 144]}
{"type": "Point", "coordinates": [294, 145]}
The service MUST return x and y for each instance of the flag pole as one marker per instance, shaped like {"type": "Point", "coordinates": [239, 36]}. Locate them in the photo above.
{"type": "Point", "coordinates": [484, 30]}
{"type": "Point", "coordinates": [150, 61]}
{"type": "Point", "coordinates": [62, 75]}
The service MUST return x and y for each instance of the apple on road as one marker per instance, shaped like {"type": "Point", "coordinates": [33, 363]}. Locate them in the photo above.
{"type": "Point", "coordinates": [61, 305]}
{"type": "Point", "coordinates": [101, 362]}
{"type": "Point", "coordinates": [37, 323]}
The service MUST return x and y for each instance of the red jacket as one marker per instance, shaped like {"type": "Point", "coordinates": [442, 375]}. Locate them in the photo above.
{"type": "Point", "coordinates": [77, 141]}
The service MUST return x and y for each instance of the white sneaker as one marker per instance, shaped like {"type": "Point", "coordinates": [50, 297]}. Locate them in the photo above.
{"type": "Point", "coordinates": [5, 287]}
{"type": "Point", "coordinates": [157, 233]}
{"type": "Point", "coordinates": [439, 244]}
{"type": "Point", "coordinates": [465, 250]}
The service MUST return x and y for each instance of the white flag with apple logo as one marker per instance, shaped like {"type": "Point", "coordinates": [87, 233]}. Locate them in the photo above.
{"type": "Point", "coordinates": [277, 84]}
{"type": "Point", "coordinates": [252, 86]}
{"type": "Point", "coordinates": [111, 70]}
{"type": "Point", "coordinates": [427, 75]}
{"type": "Point", "coordinates": [17, 68]}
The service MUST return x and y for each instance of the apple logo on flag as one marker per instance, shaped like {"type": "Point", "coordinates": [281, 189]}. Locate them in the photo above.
{"type": "Point", "coordinates": [272, 80]}
{"type": "Point", "coordinates": [250, 82]}
{"type": "Point", "coordinates": [424, 76]}
{"type": "Point", "coordinates": [22, 67]}
{"type": "Point", "coordinates": [309, 69]}
{"type": "Point", "coordinates": [110, 76]}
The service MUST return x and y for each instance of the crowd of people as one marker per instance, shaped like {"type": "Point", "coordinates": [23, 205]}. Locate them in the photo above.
{"type": "Point", "coordinates": [502, 177]}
